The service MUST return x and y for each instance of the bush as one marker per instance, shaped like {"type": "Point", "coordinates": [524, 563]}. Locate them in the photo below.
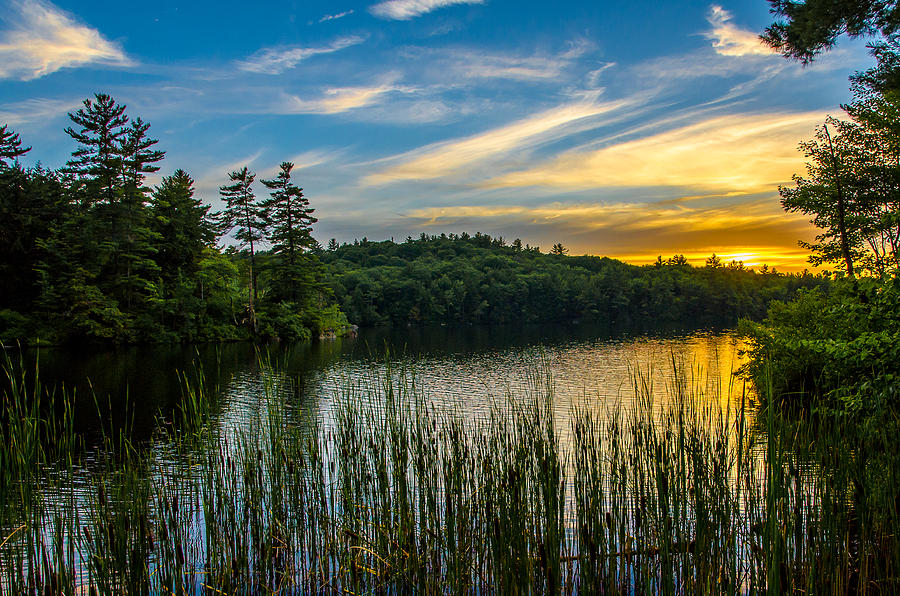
{"type": "Point", "coordinates": [283, 321]}
{"type": "Point", "coordinates": [838, 350]}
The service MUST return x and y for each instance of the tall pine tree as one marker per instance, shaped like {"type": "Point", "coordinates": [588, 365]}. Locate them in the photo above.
{"type": "Point", "coordinates": [183, 229]}
{"type": "Point", "coordinates": [107, 170]}
{"type": "Point", "coordinates": [244, 217]}
{"type": "Point", "coordinates": [97, 162]}
{"type": "Point", "coordinates": [290, 220]}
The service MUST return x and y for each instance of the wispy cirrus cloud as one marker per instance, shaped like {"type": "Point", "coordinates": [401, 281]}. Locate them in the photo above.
{"type": "Point", "coordinates": [730, 40]}
{"type": "Point", "coordinates": [341, 99]}
{"type": "Point", "coordinates": [469, 64]}
{"type": "Point", "coordinates": [754, 231]}
{"type": "Point", "coordinates": [340, 15]}
{"type": "Point", "coordinates": [44, 39]}
{"type": "Point", "coordinates": [732, 153]}
{"type": "Point", "coordinates": [403, 10]}
{"type": "Point", "coordinates": [275, 61]}
{"type": "Point", "coordinates": [446, 159]}
{"type": "Point", "coordinates": [632, 217]}
{"type": "Point", "coordinates": [36, 110]}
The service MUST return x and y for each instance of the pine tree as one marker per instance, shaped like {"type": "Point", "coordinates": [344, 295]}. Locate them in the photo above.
{"type": "Point", "coordinates": [32, 205]}
{"type": "Point", "coordinates": [182, 224]}
{"type": "Point", "coordinates": [290, 220]}
{"type": "Point", "coordinates": [10, 147]}
{"type": "Point", "coordinates": [243, 214]}
{"type": "Point", "coordinates": [558, 249]}
{"type": "Point", "coordinates": [136, 235]}
{"type": "Point", "coordinates": [98, 160]}
{"type": "Point", "coordinates": [183, 230]}
{"type": "Point", "coordinates": [108, 168]}
{"type": "Point", "coordinates": [138, 156]}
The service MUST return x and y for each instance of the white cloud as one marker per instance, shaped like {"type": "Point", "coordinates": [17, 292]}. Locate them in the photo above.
{"type": "Point", "coordinates": [45, 39]}
{"type": "Point", "coordinates": [445, 159]}
{"type": "Point", "coordinates": [341, 99]}
{"type": "Point", "coordinates": [403, 10]}
{"type": "Point", "coordinates": [467, 64]}
{"type": "Point", "coordinates": [35, 110]}
{"type": "Point", "coordinates": [277, 60]}
{"type": "Point", "coordinates": [729, 40]}
{"type": "Point", "coordinates": [340, 15]}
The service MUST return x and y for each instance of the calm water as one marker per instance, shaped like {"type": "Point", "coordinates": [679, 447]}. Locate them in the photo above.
{"type": "Point", "coordinates": [461, 370]}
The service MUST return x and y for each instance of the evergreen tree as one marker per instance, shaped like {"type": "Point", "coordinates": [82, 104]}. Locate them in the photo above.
{"type": "Point", "coordinates": [97, 161]}
{"type": "Point", "coordinates": [11, 148]}
{"type": "Point", "coordinates": [136, 235]}
{"type": "Point", "coordinates": [807, 28]}
{"type": "Point", "coordinates": [183, 229]}
{"type": "Point", "coordinates": [558, 249]}
{"type": "Point", "coordinates": [244, 216]}
{"type": "Point", "coordinates": [182, 224]}
{"type": "Point", "coordinates": [290, 220]}
{"type": "Point", "coordinates": [713, 262]}
{"type": "Point", "coordinates": [107, 170]}
{"type": "Point", "coordinates": [33, 204]}
{"type": "Point", "coordinates": [138, 157]}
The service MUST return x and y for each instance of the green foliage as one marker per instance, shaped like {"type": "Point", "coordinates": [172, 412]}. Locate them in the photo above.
{"type": "Point", "coordinates": [813, 26]}
{"type": "Point", "coordinates": [13, 325]}
{"type": "Point", "coordinates": [11, 148]}
{"type": "Point", "coordinates": [838, 350]}
{"type": "Point", "coordinates": [91, 253]}
{"type": "Point", "coordinates": [476, 279]}
{"type": "Point", "coordinates": [852, 190]}
{"type": "Point", "coordinates": [33, 204]}
{"type": "Point", "coordinates": [284, 321]}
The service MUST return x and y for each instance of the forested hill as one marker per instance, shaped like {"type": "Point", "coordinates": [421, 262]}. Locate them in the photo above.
{"type": "Point", "coordinates": [480, 279]}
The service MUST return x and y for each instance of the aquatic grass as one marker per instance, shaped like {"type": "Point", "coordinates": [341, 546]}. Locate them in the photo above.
{"type": "Point", "coordinates": [391, 494]}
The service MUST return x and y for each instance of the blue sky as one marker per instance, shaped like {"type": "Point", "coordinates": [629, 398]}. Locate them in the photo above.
{"type": "Point", "coordinates": [617, 128]}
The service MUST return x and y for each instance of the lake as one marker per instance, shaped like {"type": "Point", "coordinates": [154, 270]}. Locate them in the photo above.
{"type": "Point", "coordinates": [463, 369]}
{"type": "Point", "coordinates": [280, 482]}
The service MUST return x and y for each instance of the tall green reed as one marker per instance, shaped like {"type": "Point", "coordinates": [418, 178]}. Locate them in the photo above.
{"type": "Point", "coordinates": [393, 493]}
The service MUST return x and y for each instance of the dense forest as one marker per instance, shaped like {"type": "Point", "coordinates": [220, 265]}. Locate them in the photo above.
{"type": "Point", "coordinates": [90, 252]}
{"type": "Point", "coordinates": [480, 279]}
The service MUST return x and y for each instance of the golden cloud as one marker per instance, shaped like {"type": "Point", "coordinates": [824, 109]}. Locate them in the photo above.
{"type": "Point", "coordinates": [448, 158]}
{"type": "Point", "coordinates": [734, 153]}
{"type": "Point", "coordinates": [754, 232]}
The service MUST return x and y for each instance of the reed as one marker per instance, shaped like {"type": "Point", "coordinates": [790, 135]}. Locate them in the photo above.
{"type": "Point", "coordinates": [392, 494]}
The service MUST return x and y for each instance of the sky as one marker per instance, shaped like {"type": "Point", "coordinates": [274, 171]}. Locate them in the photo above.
{"type": "Point", "coordinates": [617, 128]}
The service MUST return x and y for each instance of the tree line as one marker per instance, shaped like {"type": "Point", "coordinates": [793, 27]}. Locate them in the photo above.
{"type": "Point", "coordinates": [91, 252]}
{"type": "Point", "coordinates": [451, 279]}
